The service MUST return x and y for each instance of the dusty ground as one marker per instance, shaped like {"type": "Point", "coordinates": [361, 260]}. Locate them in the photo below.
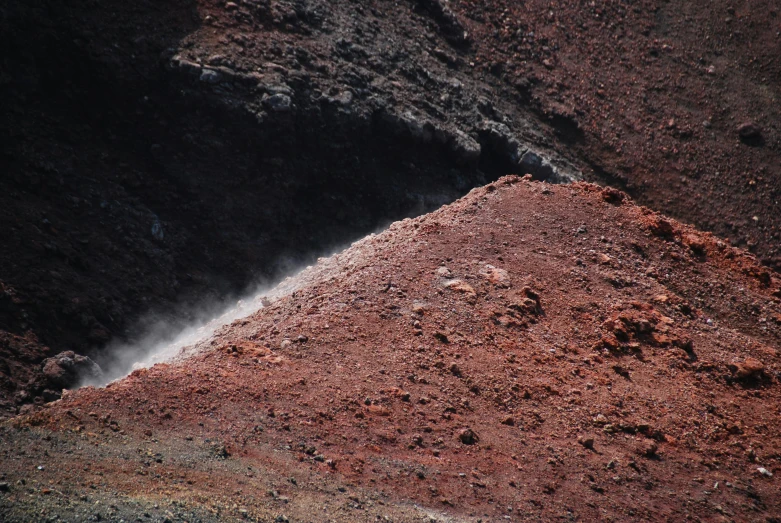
{"type": "Point", "coordinates": [529, 352]}
{"type": "Point", "coordinates": [533, 351]}
{"type": "Point", "coordinates": [164, 154]}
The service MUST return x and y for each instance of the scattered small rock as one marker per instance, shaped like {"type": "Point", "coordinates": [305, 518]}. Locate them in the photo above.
{"type": "Point", "coordinates": [648, 448]}
{"type": "Point", "coordinates": [750, 132]}
{"type": "Point", "coordinates": [498, 277]}
{"type": "Point", "coordinates": [695, 243]}
{"type": "Point", "coordinates": [467, 436]}
{"type": "Point", "coordinates": [660, 226]}
{"type": "Point", "coordinates": [444, 272]}
{"type": "Point", "coordinates": [157, 231]}
{"type": "Point", "coordinates": [621, 371]}
{"type": "Point", "coordinates": [587, 442]}
{"type": "Point", "coordinates": [279, 103]}
{"type": "Point", "coordinates": [460, 286]}
{"type": "Point", "coordinates": [378, 410]}
{"type": "Point", "coordinates": [442, 337]}
{"type": "Point", "coordinates": [750, 368]}
{"type": "Point", "coordinates": [210, 76]}
{"type": "Point", "coordinates": [220, 451]}
{"type": "Point", "coordinates": [614, 196]}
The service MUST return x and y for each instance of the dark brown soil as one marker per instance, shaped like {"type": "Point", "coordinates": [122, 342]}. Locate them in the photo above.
{"type": "Point", "coordinates": [660, 91]}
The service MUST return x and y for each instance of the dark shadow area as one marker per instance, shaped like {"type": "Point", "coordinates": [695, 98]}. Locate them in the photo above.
{"type": "Point", "coordinates": [129, 187]}
{"type": "Point", "coordinates": [73, 75]}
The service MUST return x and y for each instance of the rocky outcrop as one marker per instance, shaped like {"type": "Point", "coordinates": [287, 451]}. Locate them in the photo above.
{"type": "Point", "coordinates": [67, 369]}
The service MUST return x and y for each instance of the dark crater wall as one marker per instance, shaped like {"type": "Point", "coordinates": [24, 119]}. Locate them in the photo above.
{"type": "Point", "coordinates": [136, 181]}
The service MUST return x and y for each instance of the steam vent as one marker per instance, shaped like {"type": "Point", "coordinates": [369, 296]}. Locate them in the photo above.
{"type": "Point", "coordinates": [400, 261]}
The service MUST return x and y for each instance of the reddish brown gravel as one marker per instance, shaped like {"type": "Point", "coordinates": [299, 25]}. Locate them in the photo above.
{"type": "Point", "coordinates": [528, 352]}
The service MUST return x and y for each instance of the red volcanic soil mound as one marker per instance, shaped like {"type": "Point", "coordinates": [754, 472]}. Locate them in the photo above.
{"type": "Point", "coordinates": [528, 352]}
{"type": "Point", "coordinates": [176, 151]}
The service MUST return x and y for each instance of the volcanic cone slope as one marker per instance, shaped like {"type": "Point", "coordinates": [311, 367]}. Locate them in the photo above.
{"type": "Point", "coordinates": [529, 352]}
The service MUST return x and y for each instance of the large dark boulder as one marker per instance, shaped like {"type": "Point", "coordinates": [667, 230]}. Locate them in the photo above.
{"type": "Point", "coordinates": [67, 369]}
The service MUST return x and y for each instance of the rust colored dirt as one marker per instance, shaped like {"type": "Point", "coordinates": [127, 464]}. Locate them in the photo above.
{"type": "Point", "coordinates": [172, 152]}
{"type": "Point", "coordinates": [529, 352]}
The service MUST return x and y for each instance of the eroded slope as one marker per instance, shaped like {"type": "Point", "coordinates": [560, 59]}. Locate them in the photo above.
{"type": "Point", "coordinates": [529, 351]}
{"type": "Point", "coordinates": [169, 153]}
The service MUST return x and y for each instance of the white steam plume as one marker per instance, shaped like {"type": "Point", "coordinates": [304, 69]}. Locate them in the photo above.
{"type": "Point", "coordinates": [163, 341]}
